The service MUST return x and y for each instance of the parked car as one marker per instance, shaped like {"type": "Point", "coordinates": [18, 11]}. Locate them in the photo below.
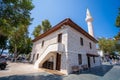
{"type": "Point", "coordinates": [20, 59]}
{"type": "Point", "coordinates": [3, 63]}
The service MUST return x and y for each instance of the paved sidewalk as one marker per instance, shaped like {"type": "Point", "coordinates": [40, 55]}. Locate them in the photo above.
{"type": "Point", "coordinates": [18, 69]}
{"type": "Point", "coordinates": [104, 72]}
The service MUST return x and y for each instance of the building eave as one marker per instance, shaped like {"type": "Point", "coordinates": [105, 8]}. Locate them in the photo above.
{"type": "Point", "coordinates": [69, 22]}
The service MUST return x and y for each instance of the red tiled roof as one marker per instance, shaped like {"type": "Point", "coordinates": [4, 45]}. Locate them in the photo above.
{"type": "Point", "coordinates": [69, 22]}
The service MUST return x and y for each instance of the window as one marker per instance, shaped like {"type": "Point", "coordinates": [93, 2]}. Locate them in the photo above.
{"type": "Point", "coordinates": [90, 45]}
{"type": "Point", "coordinates": [81, 41]}
{"type": "Point", "coordinates": [79, 59]}
{"type": "Point", "coordinates": [94, 59]}
{"type": "Point", "coordinates": [37, 56]}
{"type": "Point", "coordinates": [42, 43]}
{"type": "Point", "coordinates": [33, 56]}
{"type": "Point", "coordinates": [60, 38]}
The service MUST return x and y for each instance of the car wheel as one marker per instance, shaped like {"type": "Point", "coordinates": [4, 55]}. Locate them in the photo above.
{"type": "Point", "coordinates": [3, 67]}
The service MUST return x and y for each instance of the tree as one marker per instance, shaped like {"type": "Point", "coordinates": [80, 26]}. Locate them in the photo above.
{"type": "Point", "coordinates": [117, 46]}
{"type": "Point", "coordinates": [16, 40]}
{"type": "Point", "coordinates": [20, 43]}
{"type": "Point", "coordinates": [117, 37]}
{"type": "Point", "coordinates": [37, 31]}
{"type": "Point", "coordinates": [4, 32]}
{"type": "Point", "coordinates": [45, 26]}
{"type": "Point", "coordinates": [117, 23]}
{"type": "Point", "coordinates": [106, 45]}
{"type": "Point", "coordinates": [118, 20]}
{"type": "Point", "coordinates": [14, 20]}
{"type": "Point", "coordinates": [15, 12]}
{"type": "Point", "coordinates": [3, 43]}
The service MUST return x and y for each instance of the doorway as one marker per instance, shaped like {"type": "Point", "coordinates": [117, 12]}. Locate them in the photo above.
{"type": "Point", "coordinates": [58, 61]}
{"type": "Point", "coordinates": [88, 61]}
{"type": "Point", "coordinates": [48, 65]}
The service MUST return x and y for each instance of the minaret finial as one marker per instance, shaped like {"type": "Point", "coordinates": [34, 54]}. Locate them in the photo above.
{"type": "Point", "coordinates": [88, 15]}
{"type": "Point", "coordinates": [88, 12]}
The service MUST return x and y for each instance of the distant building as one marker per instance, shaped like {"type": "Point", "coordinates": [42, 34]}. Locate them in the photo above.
{"type": "Point", "coordinates": [100, 52]}
{"type": "Point", "coordinates": [64, 46]}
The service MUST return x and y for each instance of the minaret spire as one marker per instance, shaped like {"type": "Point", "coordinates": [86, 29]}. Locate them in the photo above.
{"type": "Point", "coordinates": [89, 20]}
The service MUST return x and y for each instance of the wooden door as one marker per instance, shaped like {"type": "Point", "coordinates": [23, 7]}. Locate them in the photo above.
{"type": "Point", "coordinates": [88, 61]}
{"type": "Point", "coordinates": [58, 61]}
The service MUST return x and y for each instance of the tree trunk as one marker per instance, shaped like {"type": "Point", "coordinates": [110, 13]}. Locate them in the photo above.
{"type": "Point", "coordinates": [2, 52]}
{"type": "Point", "coordinates": [15, 53]}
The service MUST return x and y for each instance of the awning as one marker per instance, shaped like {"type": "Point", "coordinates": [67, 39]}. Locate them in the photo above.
{"type": "Point", "coordinates": [92, 55]}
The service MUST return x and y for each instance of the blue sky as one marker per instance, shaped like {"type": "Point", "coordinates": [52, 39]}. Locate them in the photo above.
{"type": "Point", "coordinates": [104, 13]}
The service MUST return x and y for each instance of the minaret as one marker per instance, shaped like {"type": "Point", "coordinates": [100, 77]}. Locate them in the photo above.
{"type": "Point", "coordinates": [89, 20]}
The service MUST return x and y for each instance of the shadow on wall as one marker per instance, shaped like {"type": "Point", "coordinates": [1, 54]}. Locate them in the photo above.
{"type": "Point", "coordinates": [99, 70]}
{"type": "Point", "coordinates": [40, 76]}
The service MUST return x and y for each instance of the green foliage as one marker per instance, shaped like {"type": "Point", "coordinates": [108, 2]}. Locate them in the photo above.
{"type": "Point", "coordinates": [117, 44]}
{"type": "Point", "coordinates": [20, 43]}
{"type": "Point", "coordinates": [14, 21]}
{"type": "Point", "coordinates": [37, 31]}
{"type": "Point", "coordinates": [107, 45]}
{"type": "Point", "coordinates": [117, 36]}
{"type": "Point", "coordinates": [118, 20]}
{"type": "Point", "coordinates": [46, 25]}
{"type": "Point", "coordinates": [41, 28]}
{"type": "Point", "coordinates": [15, 12]}
{"type": "Point", "coordinates": [3, 43]}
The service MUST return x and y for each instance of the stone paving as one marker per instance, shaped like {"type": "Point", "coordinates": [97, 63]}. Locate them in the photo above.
{"type": "Point", "coordinates": [18, 69]}
{"type": "Point", "coordinates": [104, 72]}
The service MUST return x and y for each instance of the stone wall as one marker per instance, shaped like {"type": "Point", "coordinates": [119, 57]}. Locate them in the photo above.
{"type": "Point", "coordinates": [75, 48]}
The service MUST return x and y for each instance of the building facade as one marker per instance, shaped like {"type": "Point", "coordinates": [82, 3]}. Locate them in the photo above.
{"type": "Point", "coordinates": [64, 46]}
